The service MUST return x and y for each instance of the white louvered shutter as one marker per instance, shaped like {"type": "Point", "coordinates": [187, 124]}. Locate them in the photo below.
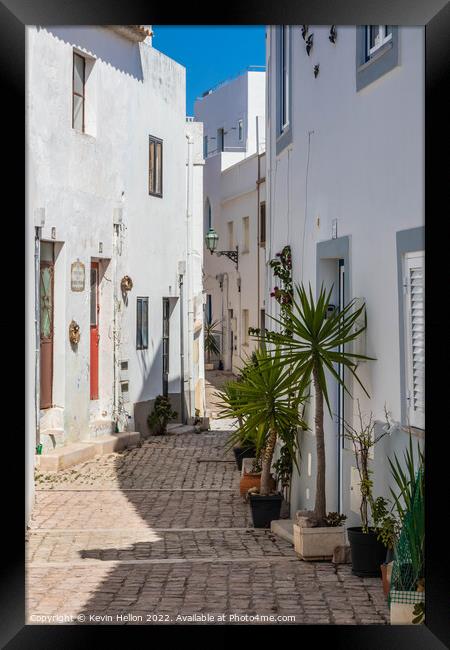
{"type": "Point", "coordinates": [415, 338]}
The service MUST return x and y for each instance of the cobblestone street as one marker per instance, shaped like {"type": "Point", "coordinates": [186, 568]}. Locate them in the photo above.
{"type": "Point", "coordinates": [158, 533]}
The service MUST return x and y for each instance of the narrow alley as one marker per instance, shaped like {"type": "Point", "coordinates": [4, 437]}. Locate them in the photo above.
{"type": "Point", "coordinates": [160, 534]}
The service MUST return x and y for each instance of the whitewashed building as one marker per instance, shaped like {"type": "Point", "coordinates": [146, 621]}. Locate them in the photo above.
{"type": "Point", "coordinates": [114, 225]}
{"type": "Point", "coordinates": [233, 115]}
{"type": "Point", "coordinates": [345, 189]}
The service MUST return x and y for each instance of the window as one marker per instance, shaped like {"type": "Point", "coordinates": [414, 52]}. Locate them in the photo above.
{"type": "Point", "coordinates": [241, 130]}
{"type": "Point", "coordinates": [245, 327]}
{"type": "Point", "coordinates": [245, 234]}
{"type": "Point", "coordinates": [208, 308]}
{"type": "Point", "coordinates": [205, 147]}
{"type": "Point", "coordinates": [220, 139]}
{"type": "Point", "coordinates": [262, 223]}
{"type": "Point", "coordinates": [78, 92]}
{"type": "Point", "coordinates": [376, 37]}
{"type": "Point", "coordinates": [283, 86]}
{"type": "Point", "coordinates": [376, 52]}
{"type": "Point", "coordinates": [230, 236]}
{"type": "Point", "coordinates": [262, 320]}
{"type": "Point", "coordinates": [142, 324]}
{"type": "Point", "coordinates": [414, 284]}
{"type": "Point", "coordinates": [284, 77]}
{"type": "Point", "coordinates": [155, 167]}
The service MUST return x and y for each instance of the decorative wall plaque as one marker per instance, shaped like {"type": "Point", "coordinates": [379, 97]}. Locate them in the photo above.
{"type": "Point", "coordinates": [77, 276]}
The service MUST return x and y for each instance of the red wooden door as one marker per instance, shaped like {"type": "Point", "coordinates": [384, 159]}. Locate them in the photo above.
{"type": "Point", "coordinates": [46, 333]}
{"type": "Point", "coordinates": [95, 337]}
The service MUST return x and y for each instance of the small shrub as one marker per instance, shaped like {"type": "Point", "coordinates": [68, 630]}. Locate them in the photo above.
{"type": "Point", "coordinates": [160, 416]}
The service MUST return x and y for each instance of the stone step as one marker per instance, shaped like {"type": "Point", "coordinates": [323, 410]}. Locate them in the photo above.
{"type": "Point", "coordinates": [64, 457]}
{"type": "Point", "coordinates": [284, 528]}
{"type": "Point", "coordinates": [116, 442]}
{"type": "Point", "coordinates": [79, 452]}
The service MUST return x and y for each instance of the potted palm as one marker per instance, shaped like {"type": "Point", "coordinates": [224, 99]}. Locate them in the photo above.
{"type": "Point", "coordinates": [313, 340]}
{"type": "Point", "coordinates": [244, 444]}
{"type": "Point", "coordinates": [211, 330]}
{"type": "Point", "coordinates": [269, 408]}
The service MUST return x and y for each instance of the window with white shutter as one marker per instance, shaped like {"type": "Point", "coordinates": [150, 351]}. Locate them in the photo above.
{"type": "Point", "coordinates": [414, 283]}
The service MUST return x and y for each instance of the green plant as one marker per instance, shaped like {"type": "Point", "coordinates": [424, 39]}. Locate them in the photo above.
{"type": "Point", "coordinates": [282, 269]}
{"type": "Point", "coordinates": [161, 414]}
{"type": "Point", "coordinates": [211, 329]}
{"type": "Point", "coordinates": [418, 613]}
{"type": "Point", "coordinates": [269, 409]}
{"type": "Point", "coordinates": [312, 342]}
{"type": "Point", "coordinates": [363, 440]}
{"type": "Point", "coordinates": [335, 519]}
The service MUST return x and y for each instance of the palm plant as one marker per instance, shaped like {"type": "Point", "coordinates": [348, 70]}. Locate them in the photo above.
{"type": "Point", "coordinates": [211, 329]}
{"type": "Point", "coordinates": [268, 407]}
{"type": "Point", "coordinates": [315, 343]}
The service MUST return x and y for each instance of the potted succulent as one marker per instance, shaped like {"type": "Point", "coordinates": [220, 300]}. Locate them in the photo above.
{"type": "Point", "coordinates": [251, 476]}
{"type": "Point", "coordinates": [211, 329]}
{"type": "Point", "coordinates": [269, 409]}
{"type": "Point", "coordinates": [407, 588]}
{"type": "Point", "coordinates": [160, 416]}
{"type": "Point", "coordinates": [313, 339]}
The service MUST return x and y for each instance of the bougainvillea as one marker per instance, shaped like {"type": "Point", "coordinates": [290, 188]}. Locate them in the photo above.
{"type": "Point", "coordinates": [282, 269]}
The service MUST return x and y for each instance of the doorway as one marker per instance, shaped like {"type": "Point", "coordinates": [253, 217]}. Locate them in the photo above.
{"type": "Point", "coordinates": [165, 346]}
{"type": "Point", "coordinates": [95, 335]}
{"type": "Point", "coordinates": [46, 316]}
{"type": "Point", "coordinates": [340, 388]}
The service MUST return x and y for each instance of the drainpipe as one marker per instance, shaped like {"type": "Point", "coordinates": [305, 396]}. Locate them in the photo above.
{"type": "Point", "coordinates": [258, 225]}
{"type": "Point", "coordinates": [37, 322]}
{"type": "Point", "coordinates": [183, 414]}
{"type": "Point", "coordinates": [190, 181]}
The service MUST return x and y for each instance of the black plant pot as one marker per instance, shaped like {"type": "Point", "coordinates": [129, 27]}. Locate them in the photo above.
{"type": "Point", "coordinates": [243, 452]}
{"type": "Point", "coordinates": [265, 509]}
{"type": "Point", "coordinates": [368, 553]}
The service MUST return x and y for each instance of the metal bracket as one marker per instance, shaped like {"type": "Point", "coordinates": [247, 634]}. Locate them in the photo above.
{"type": "Point", "coordinates": [232, 255]}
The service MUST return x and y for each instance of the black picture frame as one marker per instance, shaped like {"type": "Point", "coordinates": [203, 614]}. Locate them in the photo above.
{"type": "Point", "coordinates": [435, 16]}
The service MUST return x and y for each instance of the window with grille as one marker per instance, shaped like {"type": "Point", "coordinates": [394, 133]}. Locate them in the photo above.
{"type": "Point", "coordinates": [414, 284]}
{"type": "Point", "coordinates": [142, 324]}
{"type": "Point", "coordinates": [155, 167]}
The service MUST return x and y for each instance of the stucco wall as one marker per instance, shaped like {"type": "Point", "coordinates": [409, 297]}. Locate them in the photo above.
{"type": "Point", "coordinates": [357, 157]}
{"type": "Point", "coordinates": [132, 91]}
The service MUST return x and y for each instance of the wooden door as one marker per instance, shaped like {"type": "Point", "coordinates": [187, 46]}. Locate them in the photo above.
{"type": "Point", "coordinates": [46, 304]}
{"type": "Point", "coordinates": [95, 336]}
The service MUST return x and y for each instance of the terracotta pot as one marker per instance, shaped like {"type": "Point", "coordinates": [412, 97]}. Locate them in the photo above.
{"type": "Point", "coordinates": [386, 571]}
{"type": "Point", "coordinates": [252, 480]}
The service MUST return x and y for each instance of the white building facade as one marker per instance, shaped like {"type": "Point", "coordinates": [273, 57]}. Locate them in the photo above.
{"type": "Point", "coordinates": [114, 216]}
{"type": "Point", "coordinates": [233, 115]}
{"type": "Point", "coordinates": [345, 189]}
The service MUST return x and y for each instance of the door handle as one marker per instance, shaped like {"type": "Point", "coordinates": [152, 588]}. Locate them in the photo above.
{"type": "Point", "coordinates": [98, 338]}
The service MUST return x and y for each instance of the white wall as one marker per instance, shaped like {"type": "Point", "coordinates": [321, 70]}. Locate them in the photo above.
{"type": "Point", "coordinates": [132, 91]}
{"type": "Point", "coordinates": [357, 157]}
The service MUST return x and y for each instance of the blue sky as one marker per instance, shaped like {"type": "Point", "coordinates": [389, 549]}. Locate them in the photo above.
{"type": "Point", "coordinates": [210, 54]}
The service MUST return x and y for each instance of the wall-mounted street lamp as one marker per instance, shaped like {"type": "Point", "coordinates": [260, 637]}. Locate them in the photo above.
{"type": "Point", "coordinates": [211, 241]}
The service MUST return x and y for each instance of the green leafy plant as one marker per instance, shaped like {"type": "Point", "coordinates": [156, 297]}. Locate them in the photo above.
{"type": "Point", "coordinates": [335, 519]}
{"type": "Point", "coordinates": [312, 341]}
{"type": "Point", "coordinates": [211, 329]}
{"type": "Point", "coordinates": [268, 408]}
{"type": "Point", "coordinates": [282, 269]}
{"type": "Point", "coordinates": [161, 414]}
